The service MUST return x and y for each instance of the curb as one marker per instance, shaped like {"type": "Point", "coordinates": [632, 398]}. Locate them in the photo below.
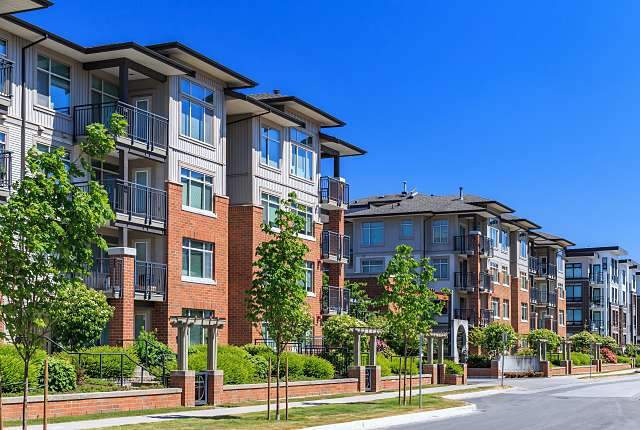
{"type": "Point", "coordinates": [396, 420]}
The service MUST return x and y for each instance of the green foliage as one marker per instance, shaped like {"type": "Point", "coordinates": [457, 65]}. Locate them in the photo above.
{"type": "Point", "coordinates": [525, 352]}
{"type": "Point", "coordinates": [62, 375]}
{"type": "Point", "coordinates": [151, 351]}
{"type": "Point", "coordinates": [88, 363]}
{"type": "Point", "coordinates": [479, 361]}
{"type": "Point", "coordinates": [553, 340]}
{"type": "Point", "coordinates": [296, 365]}
{"type": "Point", "coordinates": [257, 349]}
{"type": "Point", "coordinates": [100, 139]}
{"type": "Point", "coordinates": [623, 359]}
{"type": "Point", "coordinates": [318, 368]}
{"type": "Point", "coordinates": [79, 316]}
{"type": "Point", "coordinates": [12, 368]}
{"type": "Point", "coordinates": [453, 368]}
{"type": "Point", "coordinates": [493, 341]}
{"type": "Point", "coordinates": [260, 367]}
{"type": "Point", "coordinates": [580, 358]}
{"type": "Point", "coordinates": [236, 364]}
{"type": "Point", "coordinates": [607, 342]}
{"type": "Point", "coordinates": [337, 331]}
{"type": "Point", "coordinates": [581, 342]}
{"type": "Point", "coordinates": [631, 350]}
{"type": "Point", "coordinates": [476, 336]}
{"type": "Point", "coordinates": [360, 301]}
{"type": "Point", "coordinates": [409, 304]}
{"type": "Point", "coordinates": [398, 365]}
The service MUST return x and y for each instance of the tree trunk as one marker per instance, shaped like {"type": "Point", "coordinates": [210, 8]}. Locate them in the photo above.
{"type": "Point", "coordinates": [25, 391]}
{"type": "Point", "coordinates": [278, 387]}
{"type": "Point", "coordinates": [404, 385]}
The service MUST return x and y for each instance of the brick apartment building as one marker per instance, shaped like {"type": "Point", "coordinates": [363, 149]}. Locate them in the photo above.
{"type": "Point", "coordinates": [201, 167]}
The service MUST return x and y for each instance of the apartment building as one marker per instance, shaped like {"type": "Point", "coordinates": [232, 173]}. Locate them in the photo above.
{"type": "Point", "coordinates": [601, 292]}
{"type": "Point", "coordinates": [496, 264]}
{"type": "Point", "coordinates": [199, 159]}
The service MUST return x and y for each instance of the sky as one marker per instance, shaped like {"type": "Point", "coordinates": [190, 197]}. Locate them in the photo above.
{"type": "Point", "coordinates": [535, 104]}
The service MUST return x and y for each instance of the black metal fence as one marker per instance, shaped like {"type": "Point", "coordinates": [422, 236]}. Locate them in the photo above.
{"type": "Point", "coordinates": [6, 73]}
{"type": "Point", "coordinates": [6, 176]}
{"type": "Point", "coordinates": [335, 246]}
{"type": "Point", "coordinates": [137, 200]}
{"type": "Point", "coordinates": [333, 191]}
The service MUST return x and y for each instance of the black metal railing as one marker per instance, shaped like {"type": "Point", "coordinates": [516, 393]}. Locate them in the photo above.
{"type": "Point", "coordinates": [6, 176]}
{"type": "Point", "coordinates": [333, 191]}
{"type": "Point", "coordinates": [475, 244]}
{"type": "Point", "coordinates": [150, 278]}
{"type": "Point", "coordinates": [465, 314]}
{"type": "Point", "coordinates": [597, 326]}
{"type": "Point", "coordinates": [137, 200]}
{"type": "Point", "coordinates": [540, 268]}
{"type": "Point", "coordinates": [486, 317]}
{"type": "Point", "coordinates": [596, 300]}
{"type": "Point", "coordinates": [106, 275]}
{"type": "Point", "coordinates": [543, 297]}
{"type": "Point", "coordinates": [597, 277]}
{"type": "Point", "coordinates": [471, 281]}
{"type": "Point", "coordinates": [335, 300]}
{"type": "Point", "coordinates": [335, 246]}
{"type": "Point", "coordinates": [534, 264]}
{"type": "Point", "coordinates": [6, 73]}
{"type": "Point", "coordinates": [143, 127]}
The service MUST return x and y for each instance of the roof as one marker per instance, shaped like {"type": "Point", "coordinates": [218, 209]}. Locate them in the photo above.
{"type": "Point", "coordinates": [519, 221]}
{"type": "Point", "coordinates": [542, 238]}
{"type": "Point", "coordinates": [17, 6]}
{"type": "Point", "coordinates": [242, 104]}
{"type": "Point", "coordinates": [313, 112]}
{"type": "Point", "coordinates": [582, 252]}
{"type": "Point", "coordinates": [332, 146]}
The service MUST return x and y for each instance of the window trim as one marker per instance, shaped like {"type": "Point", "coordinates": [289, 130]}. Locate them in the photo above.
{"type": "Point", "coordinates": [265, 162]}
{"type": "Point", "coordinates": [49, 107]}
{"type": "Point", "coordinates": [269, 194]}
{"type": "Point", "coordinates": [362, 234]}
{"type": "Point", "coordinates": [443, 224]}
{"type": "Point", "coordinates": [197, 279]}
{"type": "Point", "coordinates": [435, 265]}
{"type": "Point", "coordinates": [205, 105]}
{"type": "Point", "coordinates": [363, 260]}
{"type": "Point", "coordinates": [309, 267]}
{"type": "Point", "coordinates": [403, 222]}
{"type": "Point", "coordinates": [293, 170]}
{"type": "Point", "coordinates": [188, 208]}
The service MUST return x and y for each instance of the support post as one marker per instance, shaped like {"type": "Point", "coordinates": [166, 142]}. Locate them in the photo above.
{"type": "Point", "coordinates": [45, 403]}
{"type": "Point", "coordinates": [441, 351]}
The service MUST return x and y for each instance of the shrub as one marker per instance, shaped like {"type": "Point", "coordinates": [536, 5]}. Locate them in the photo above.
{"type": "Point", "coordinates": [631, 350]}
{"type": "Point", "coordinates": [580, 358]}
{"type": "Point", "coordinates": [337, 331]}
{"type": "Point", "coordinates": [582, 341]}
{"type": "Point", "coordinates": [384, 363]}
{"type": "Point", "coordinates": [62, 375]}
{"type": "Point", "coordinates": [453, 368]}
{"type": "Point", "coordinates": [234, 361]}
{"type": "Point", "coordinates": [608, 342]}
{"type": "Point", "coordinates": [608, 355]}
{"type": "Point", "coordinates": [316, 367]}
{"type": "Point", "coordinates": [553, 340]}
{"type": "Point", "coordinates": [260, 367]}
{"type": "Point", "coordinates": [12, 368]}
{"type": "Point", "coordinates": [623, 359]}
{"type": "Point", "coordinates": [90, 362]}
{"type": "Point", "coordinates": [479, 361]}
{"type": "Point", "coordinates": [257, 349]}
{"type": "Point", "coordinates": [151, 351]}
{"type": "Point", "coordinates": [296, 365]}
{"type": "Point", "coordinates": [398, 364]}
{"type": "Point", "coordinates": [476, 335]}
{"type": "Point", "coordinates": [492, 340]}
{"type": "Point", "coordinates": [525, 352]}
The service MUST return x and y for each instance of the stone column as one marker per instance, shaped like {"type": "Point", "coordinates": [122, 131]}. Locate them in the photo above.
{"type": "Point", "coordinates": [122, 274]}
{"type": "Point", "coordinates": [430, 350]}
{"type": "Point", "coordinates": [441, 351]}
{"type": "Point", "coordinates": [372, 350]}
{"type": "Point", "coordinates": [212, 348]}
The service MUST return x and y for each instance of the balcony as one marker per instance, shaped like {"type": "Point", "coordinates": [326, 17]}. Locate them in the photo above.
{"type": "Point", "coordinates": [137, 205]}
{"type": "Point", "coordinates": [486, 317]}
{"type": "Point", "coordinates": [150, 280]}
{"type": "Point", "coordinates": [541, 269]}
{"type": "Point", "coordinates": [596, 301]}
{"type": "Point", "coordinates": [335, 247]}
{"type": "Point", "coordinates": [597, 278]}
{"type": "Point", "coordinates": [6, 88]}
{"type": "Point", "coordinates": [147, 133]}
{"type": "Point", "coordinates": [597, 326]}
{"type": "Point", "coordinates": [335, 300]}
{"type": "Point", "coordinates": [6, 176]}
{"type": "Point", "coordinates": [470, 281]}
{"type": "Point", "coordinates": [534, 264]}
{"type": "Point", "coordinates": [106, 276]}
{"type": "Point", "coordinates": [543, 298]}
{"type": "Point", "coordinates": [468, 244]}
{"type": "Point", "coordinates": [464, 314]}
{"type": "Point", "coordinates": [334, 193]}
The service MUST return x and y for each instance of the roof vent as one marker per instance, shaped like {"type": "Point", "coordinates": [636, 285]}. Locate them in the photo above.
{"type": "Point", "coordinates": [276, 91]}
{"type": "Point", "coordinates": [461, 193]}
{"type": "Point", "coordinates": [404, 188]}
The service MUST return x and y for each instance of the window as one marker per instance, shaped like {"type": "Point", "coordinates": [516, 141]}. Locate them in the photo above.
{"type": "Point", "coordinates": [196, 118]}
{"type": "Point", "coordinates": [523, 246]}
{"type": "Point", "coordinates": [53, 84]}
{"type": "Point", "coordinates": [197, 190]}
{"type": "Point", "coordinates": [442, 267]}
{"type": "Point", "coordinates": [104, 171]}
{"type": "Point", "coordinates": [574, 292]}
{"type": "Point", "coordinates": [308, 276]}
{"type": "Point", "coordinates": [270, 146]}
{"type": "Point", "coordinates": [505, 309]}
{"type": "Point", "coordinates": [301, 154]}
{"type": "Point", "coordinates": [504, 240]}
{"type": "Point", "coordinates": [524, 311]}
{"type": "Point", "coordinates": [560, 261]}
{"type": "Point", "coordinates": [197, 334]}
{"type": "Point", "coordinates": [103, 91]}
{"type": "Point", "coordinates": [561, 317]}
{"type": "Point", "coordinates": [406, 229]}
{"type": "Point", "coordinates": [3, 141]}
{"type": "Point", "coordinates": [372, 265]}
{"type": "Point", "coordinates": [306, 212]}
{"type": "Point", "coordinates": [372, 233]}
{"type": "Point", "coordinates": [506, 279]}
{"type": "Point", "coordinates": [574, 316]}
{"type": "Point", "coordinates": [270, 205]}
{"type": "Point", "coordinates": [573, 270]}
{"type": "Point", "coordinates": [495, 308]}
{"type": "Point", "coordinates": [493, 271]}
{"type": "Point", "coordinates": [440, 231]}
{"type": "Point", "coordinates": [197, 259]}
{"type": "Point", "coordinates": [3, 47]}
{"type": "Point", "coordinates": [524, 281]}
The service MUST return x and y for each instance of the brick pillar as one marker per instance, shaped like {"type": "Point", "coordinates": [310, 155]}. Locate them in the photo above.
{"type": "Point", "coordinates": [359, 373]}
{"type": "Point", "coordinates": [442, 373]}
{"type": "Point", "coordinates": [185, 379]}
{"type": "Point", "coordinates": [336, 270]}
{"type": "Point", "coordinates": [464, 373]}
{"type": "Point", "coordinates": [474, 265]}
{"type": "Point", "coordinates": [215, 384]}
{"type": "Point", "coordinates": [121, 271]}
{"type": "Point", "coordinates": [545, 366]}
{"type": "Point", "coordinates": [376, 378]}
{"type": "Point", "coordinates": [431, 369]}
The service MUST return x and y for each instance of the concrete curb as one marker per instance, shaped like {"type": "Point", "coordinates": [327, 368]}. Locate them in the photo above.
{"type": "Point", "coordinates": [397, 420]}
{"type": "Point", "coordinates": [476, 394]}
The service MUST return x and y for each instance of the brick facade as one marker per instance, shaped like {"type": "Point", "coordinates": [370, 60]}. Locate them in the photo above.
{"type": "Point", "coordinates": [121, 324]}
{"type": "Point", "coordinates": [519, 296]}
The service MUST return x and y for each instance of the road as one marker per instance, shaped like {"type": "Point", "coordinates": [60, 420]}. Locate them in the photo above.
{"type": "Point", "coordinates": [565, 403]}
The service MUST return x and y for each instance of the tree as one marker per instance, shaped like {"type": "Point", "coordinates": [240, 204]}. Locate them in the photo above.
{"type": "Point", "coordinates": [360, 301]}
{"type": "Point", "coordinates": [337, 330]}
{"type": "Point", "coordinates": [47, 229]}
{"type": "Point", "coordinates": [498, 337]}
{"type": "Point", "coordinates": [410, 306]}
{"type": "Point", "coordinates": [535, 336]}
{"type": "Point", "coordinates": [277, 296]}
{"type": "Point", "coordinates": [79, 315]}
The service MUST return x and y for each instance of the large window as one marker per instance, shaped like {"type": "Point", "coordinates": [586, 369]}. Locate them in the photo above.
{"type": "Point", "coordinates": [504, 240]}
{"type": "Point", "coordinates": [372, 233]}
{"type": "Point", "coordinates": [197, 259]}
{"type": "Point", "coordinates": [306, 212]}
{"type": "Point", "coordinates": [493, 271]}
{"type": "Point", "coordinates": [440, 231]}
{"type": "Point", "coordinates": [197, 190]}
{"type": "Point", "coordinates": [406, 229]}
{"type": "Point", "coordinates": [524, 311]}
{"type": "Point", "coordinates": [53, 84]}
{"type": "Point", "coordinates": [301, 154]}
{"type": "Point", "coordinates": [372, 265]}
{"type": "Point", "coordinates": [561, 317]}
{"type": "Point", "coordinates": [573, 270]}
{"type": "Point", "coordinates": [495, 308]}
{"type": "Point", "coordinates": [196, 119]}
{"type": "Point", "coordinates": [197, 334]}
{"type": "Point", "coordinates": [524, 281]}
{"type": "Point", "coordinates": [574, 316]}
{"type": "Point", "coordinates": [3, 47]}
{"type": "Point", "coordinates": [103, 91]}
{"type": "Point", "coordinates": [308, 276]}
{"type": "Point", "coordinates": [105, 172]}
{"type": "Point", "coordinates": [560, 261]}
{"type": "Point", "coordinates": [574, 292]}
{"type": "Point", "coordinates": [505, 309]}
{"type": "Point", "coordinates": [506, 278]}
{"type": "Point", "coordinates": [270, 146]}
{"type": "Point", "coordinates": [270, 205]}
{"type": "Point", "coordinates": [442, 267]}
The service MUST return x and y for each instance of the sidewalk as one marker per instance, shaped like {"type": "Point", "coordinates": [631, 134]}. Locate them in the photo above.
{"type": "Point", "coordinates": [221, 411]}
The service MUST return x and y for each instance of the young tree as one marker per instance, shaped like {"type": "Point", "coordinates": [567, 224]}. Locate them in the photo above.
{"type": "Point", "coordinates": [409, 304]}
{"type": "Point", "coordinates": [360, 301]}
{"type": "Point", "coordinates": [277, 296]}
{"type": "Point", "coordinates": [498, 337]}
{"type": "Point", "coordinates": [47, 228]}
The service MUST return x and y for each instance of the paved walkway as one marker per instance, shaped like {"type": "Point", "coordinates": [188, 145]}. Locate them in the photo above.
{"type": "Point", "coordinates": [221, 411]}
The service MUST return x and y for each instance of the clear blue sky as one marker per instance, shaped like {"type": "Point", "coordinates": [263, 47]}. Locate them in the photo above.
{"type": "Point", "coordinates": [534, 104]}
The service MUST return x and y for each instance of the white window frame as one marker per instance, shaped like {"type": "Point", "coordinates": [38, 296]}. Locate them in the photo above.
{"type": "Point", "coordinates": [366, 230]}
{"type": "Point", "coordinates": [366, 262]}
{"type": "Point", "coordinates": [187, 244]}
{"type": "Point", "coordinates": [506, 276]}
{"type": "Point", "coordinates": [298, 148]}
{"type": "Point", "coordinates": [206, 106]}
{"type": "Point", "coordinates": [207, 182]}
{"type": "Point", "coordinates": [264, 152]}
{"type": "Point", "coordinates": [506, 312]}
{"type": "Point", "coordinates": [524, 281]}
{"type": "Point", "coordinates": [440, 232]}
{"type": "Point", "coordinates": [269, 199]}
{"type": "Point", "coordinates": [561, 318]}
{"type": "Point", "coordinates": [495, 308]}
{"type": "Point", "coordinates": [440, 264]}
{"type": "Point", "coordinates": [306, 212]}
{"type": "Point", "coordinates": [50, 73]}
{"type": "Point", "coordinates": [308, 269]}
{"type": "Point", "coordinates": [524, 310]}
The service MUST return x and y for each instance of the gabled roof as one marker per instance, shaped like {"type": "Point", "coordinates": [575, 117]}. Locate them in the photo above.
{"type": "Point", "coordinates": [307, 109]}
{"type": "Point", "coordinates": [519, 221]}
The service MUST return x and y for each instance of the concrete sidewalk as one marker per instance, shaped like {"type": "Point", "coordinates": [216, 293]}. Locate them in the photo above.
{"type": "Point", "coordinates": [221, 411]}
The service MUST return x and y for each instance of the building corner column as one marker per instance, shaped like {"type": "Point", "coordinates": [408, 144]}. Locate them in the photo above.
{"type": "Point", "coordinates": [122, 277]}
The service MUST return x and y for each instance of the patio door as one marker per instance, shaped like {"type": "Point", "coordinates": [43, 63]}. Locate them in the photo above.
{"type": "Point", "coordinates": [142, 127]}
{"type": "Point", "coordinates": [142, 321]}
{"type": "Point", "coordinates": [140, 192]}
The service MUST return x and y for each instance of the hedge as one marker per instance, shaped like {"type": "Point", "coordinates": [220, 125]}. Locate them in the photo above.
{"type": "Point", "coordinates": [12, 368]}
{"type": "Point", "coordinates": [580, 359]}
{"type": "Point", "coordinates": [453, 368]}
{"type": "Point", "coordinates": [479, 361]}
{"type": "Point", "coordinates": [89, 364]}
{"type": "Point", "coordinates": [62, 375]}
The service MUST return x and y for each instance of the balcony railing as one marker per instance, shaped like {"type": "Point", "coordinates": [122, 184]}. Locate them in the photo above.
{"type": "Point", "coordinates": [335, 300]}
{"type": "Point", "coordinates": [542, 269]}
{"type": "Point", "coordinates": [486, 317]}
{"type": "Point", "coordinates": [470, 281]}
{"type": "Point", "coordinates": [596, 300]}
{"type": "Point", "coordinates": [543, 297]}
{"type": "Point", "coordinates": [6, 176]}
{"type": "Point", "coordinates": [597, 278]}
{"type": "Point", "coordinates": [106, 275]}
{"type": "Point", "coordinates": [150, 279]}
{"type": "Point", "coordinates": [597, 326]}
{"type": "Point", "coordinates": [143, 127]}
{"type": "Point", "coordinates": [6, 73]}
{"type": "Point", "coordinates": [135, 200]}
{"type": "Point", "coordinates": [466, 244]}
{"type": "Point", "coordinates": [333, 192]}
{"type": "Point", "coordinates": [335, 247]}
{"type": "Point", "coordinates": [464, 314]}
{"type": "Point", "coordinates": [534, 264]}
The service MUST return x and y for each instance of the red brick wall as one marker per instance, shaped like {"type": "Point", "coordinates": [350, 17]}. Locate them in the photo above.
{"type": "Point", "coordinates": [562, 306]}
{"type": "Point", "coordinates": [121, 324]}
{"type": "Point", "coordinates": [517, 298]}
{"type": "Point", "coordinates": [391, 382]}
{"type": "Point", "coordinates": [181, 294]}
{"type": "Point", "coordinates": [242, 393]}
{"type": "Point", "coordinates": [90, 404]}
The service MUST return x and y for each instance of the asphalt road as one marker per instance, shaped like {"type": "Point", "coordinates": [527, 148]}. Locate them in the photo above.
{"type": "Point", "coordinates": [558, 403]}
